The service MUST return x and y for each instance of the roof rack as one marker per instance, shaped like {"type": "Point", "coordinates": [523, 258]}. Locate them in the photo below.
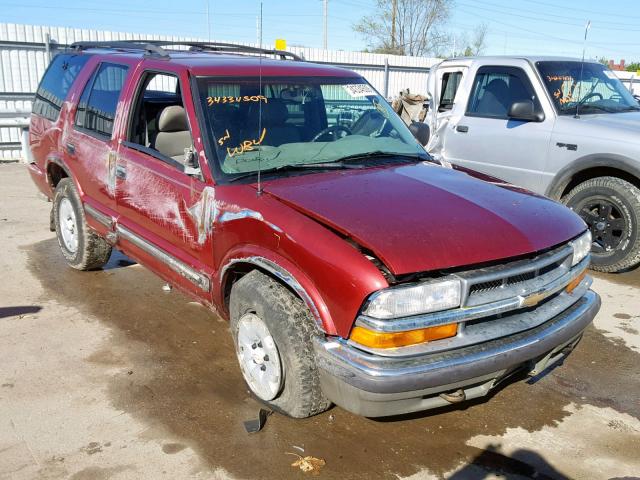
{"type": "Point", "coordinates": [154, 47]}
{"type": "Point", "coordinates": [124, 45]}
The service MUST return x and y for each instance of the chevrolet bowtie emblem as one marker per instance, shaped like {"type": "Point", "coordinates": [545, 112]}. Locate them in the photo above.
{"type": "Point", "coordinates": [534, 299]}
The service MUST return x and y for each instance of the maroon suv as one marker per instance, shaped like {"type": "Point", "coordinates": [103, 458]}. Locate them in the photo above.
{"type": "Point", "coordinates": [289, 197]}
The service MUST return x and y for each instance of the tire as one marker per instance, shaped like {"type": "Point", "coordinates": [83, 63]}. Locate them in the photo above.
{"type": "Point", "coordinates": [288, 322]}
{"type": "Point", "coordinates": [611, 208]}
{"type": "Point", "coordinates": [82, 248]}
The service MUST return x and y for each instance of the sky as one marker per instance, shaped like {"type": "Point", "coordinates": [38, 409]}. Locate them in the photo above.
{"type": "Point", "coordinates": [513, 26]}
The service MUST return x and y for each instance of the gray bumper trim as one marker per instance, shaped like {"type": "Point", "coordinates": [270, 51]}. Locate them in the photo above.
{"type": "Point", "coordinates": [388, 375]}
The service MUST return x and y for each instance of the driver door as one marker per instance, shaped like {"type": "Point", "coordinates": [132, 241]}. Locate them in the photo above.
{"type": "Point", "coordinates": [485, 139]}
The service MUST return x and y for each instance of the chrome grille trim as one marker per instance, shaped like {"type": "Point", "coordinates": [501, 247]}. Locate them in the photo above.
{"type": "Point", "coordinates": [534, 273]}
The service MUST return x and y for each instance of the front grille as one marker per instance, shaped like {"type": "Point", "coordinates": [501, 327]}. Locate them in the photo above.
{"type": "Point", "coordinates": [484, 287]}
{"type": "Point", "coordinates": [517, 278]}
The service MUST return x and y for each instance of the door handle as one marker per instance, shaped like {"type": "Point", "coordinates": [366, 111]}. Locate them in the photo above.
{"type": "Point", "coordinates": [462, 128]}
{"type": "Point", "coordinates": [71, 148]}
{"type": "Point", "coordinates": [121, 171]}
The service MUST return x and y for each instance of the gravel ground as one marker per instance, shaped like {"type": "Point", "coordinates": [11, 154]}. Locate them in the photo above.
{"type": "Point", "coordinates": [103, 375]}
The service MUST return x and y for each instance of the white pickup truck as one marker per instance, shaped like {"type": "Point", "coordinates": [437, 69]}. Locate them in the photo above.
{"type": "Point", "coordinates": [560, 127]}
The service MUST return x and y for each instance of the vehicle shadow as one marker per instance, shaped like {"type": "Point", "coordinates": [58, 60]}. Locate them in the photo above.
{"type": "Point", "coordinates": [18, 310]}
{"type": "Point", "coordinates": [118, 260]}
{"type": "Point", "coordinates": [522, 463]}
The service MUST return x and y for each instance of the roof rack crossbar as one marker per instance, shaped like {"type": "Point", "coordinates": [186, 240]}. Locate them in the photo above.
{"type": "Point", "coordinates": [136, 45]}
{"type": "Point", "coordinates": [234, 48]}
{"type": "Point", "coordinates": [154, 47]}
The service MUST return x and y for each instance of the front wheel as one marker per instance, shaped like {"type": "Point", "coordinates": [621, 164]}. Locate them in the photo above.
{"type": "Point", "coordinates": [272, 331]}
{"type": "Point", "coordinates": [611, 208]}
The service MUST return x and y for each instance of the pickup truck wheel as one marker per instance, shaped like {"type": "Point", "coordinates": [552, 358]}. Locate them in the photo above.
{"type": "Point", "coordinates": [83, 249]}
{"type": "Point", "coordinates": [272, 330]}
{"type": "Point", "coordinates": [611, 208]}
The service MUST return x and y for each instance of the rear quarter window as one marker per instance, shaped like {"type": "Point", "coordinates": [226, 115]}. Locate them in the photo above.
{"type": "Point", "coordinates": [55, 84]}
{"type": "Point", "coordinates": [97, 107]}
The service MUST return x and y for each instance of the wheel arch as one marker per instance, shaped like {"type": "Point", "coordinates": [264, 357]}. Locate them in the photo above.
{"type": "Point", "coordinates": [592, 166]}
{"type": "Point", "coordinates": [56, 170]}
{"type": "Point", "coordinates": [285, 273]}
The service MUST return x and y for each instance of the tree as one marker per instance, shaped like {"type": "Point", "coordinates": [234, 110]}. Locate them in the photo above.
{"type": "Point", "coordinates": [632, 67]}
{"type": "Point", "coordinates": [407, 27]}
{"type": "Point", "coordinates": [479, 40]}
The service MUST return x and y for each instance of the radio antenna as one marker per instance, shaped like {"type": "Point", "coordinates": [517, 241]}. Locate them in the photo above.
{"type": "Point", "coordinates": [584, 47]}
{"type": "Point", "coordinates": [260, 105]}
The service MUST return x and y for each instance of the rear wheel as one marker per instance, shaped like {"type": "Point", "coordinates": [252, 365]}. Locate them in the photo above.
{"type": "Point", "coordinates": [272, 331]}
{"type": "Point", "coordinates": [82, 248]}
{"type": "Point", "coordinates": [611, 208]}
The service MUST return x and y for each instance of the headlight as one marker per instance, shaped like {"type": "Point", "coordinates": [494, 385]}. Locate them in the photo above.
{"type": "Point", "coordinates": [581, 247]}
{"type": "Point", "coordinates": [416, 299]}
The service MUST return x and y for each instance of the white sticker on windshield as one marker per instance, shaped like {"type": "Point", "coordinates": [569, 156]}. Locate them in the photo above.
{"type": "Point", "coordinates": [359, 89]}
{"type": "Point", "coordinates": [610, 74]}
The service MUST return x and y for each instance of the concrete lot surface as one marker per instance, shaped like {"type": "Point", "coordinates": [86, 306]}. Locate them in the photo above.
{"type": "Point", "coordinates": [105, 376]}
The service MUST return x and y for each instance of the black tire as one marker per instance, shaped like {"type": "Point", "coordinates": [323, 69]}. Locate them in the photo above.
{"type": "Point", "coordinates": [611, 208]}
{"type": "Point", "coordinates": [92, 250]}
{"type": "Point", "coordinates": [291, 327]}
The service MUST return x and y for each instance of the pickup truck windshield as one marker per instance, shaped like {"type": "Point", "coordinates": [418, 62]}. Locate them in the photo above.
{"type": "Point", "coordinates": [281, 123]}
{"type": "Point", "coordinates": [590, 88]}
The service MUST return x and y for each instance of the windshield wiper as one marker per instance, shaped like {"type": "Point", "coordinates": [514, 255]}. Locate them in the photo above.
{"type": "Point", "coordinates": [338, 165]}
{"type": "Point", "coordinates": [586, 106]}
{"type": "Point", "coordinates": [384, 155]}
{"type": "Point", "coordinates": [629, 108]}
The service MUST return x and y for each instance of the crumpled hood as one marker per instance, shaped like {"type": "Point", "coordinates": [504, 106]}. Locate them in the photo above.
{"type": "Point", "coordinates": [424, 217]}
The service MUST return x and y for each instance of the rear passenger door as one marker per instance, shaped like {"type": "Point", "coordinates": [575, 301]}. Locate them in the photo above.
{"type": "Point", "coordinates": [485, 139]}
{"type": "Point", "coordinates": [157, 194]}
{"type": "Point", "coordinates": [89, 148]}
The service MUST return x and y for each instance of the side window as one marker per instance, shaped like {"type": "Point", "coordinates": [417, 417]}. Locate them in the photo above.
{"type": "Point", "coordinates": [158, 124]}
{"type": "Point", "coordinates": [495, 89]}
{"type": "Point", "coordinates": [97, 107]}
{"type": "Point", "coordinates": [55, 84]}
{"type": "Point", "coordinates": [448, 89]}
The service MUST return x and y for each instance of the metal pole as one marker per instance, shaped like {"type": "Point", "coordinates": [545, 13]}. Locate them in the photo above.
{"type": "Point", "coordinates": [208, 24]}
{"type": "Point", "coordinates": [394, 9]}
{"type": "Point", "coordinates": [386, 78]}
{"type": "Point", "coordinates": [47, 46]}
{"type": "Point", "coordinates": [325, 12]}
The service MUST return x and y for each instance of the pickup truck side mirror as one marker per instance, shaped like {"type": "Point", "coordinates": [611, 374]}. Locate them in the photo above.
{"type": "Point", "coordinates": [525, 110]}
{"type": "Point", "coordinates": [421, 131]}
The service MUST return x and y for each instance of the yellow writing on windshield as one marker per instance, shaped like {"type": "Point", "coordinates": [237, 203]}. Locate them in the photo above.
{"type": "Point", "coordinates": [556, 78]}
{"type": "Point", "coordinates": [229, 99]}
{"type": "Point", "coordinates": [224, 138]}
{"type": "Point", "coordinates": [246, 145]}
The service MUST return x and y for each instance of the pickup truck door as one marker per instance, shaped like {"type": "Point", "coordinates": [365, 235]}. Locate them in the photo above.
{"type": "Point", "coordinates": [443, 86]}
{"type": "Point", "coordinates": [480, 136]}
{"type": "Point", "coordinates": [161, 204]}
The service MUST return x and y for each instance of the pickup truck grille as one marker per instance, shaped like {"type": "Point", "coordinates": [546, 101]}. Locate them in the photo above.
{"type": "Point", "coordinates": [518, 278]}
{"type": "Point", "coordinates": [495, 302]}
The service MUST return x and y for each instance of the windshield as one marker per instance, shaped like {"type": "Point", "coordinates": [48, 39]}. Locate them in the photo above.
{"type": "Point", "coordinates": [278, 123]}
{"type": "Point", "coordinates": [588, 87]}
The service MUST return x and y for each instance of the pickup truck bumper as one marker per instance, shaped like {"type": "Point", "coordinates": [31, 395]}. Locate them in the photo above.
{"type": "Point", "coordinates": [376, 386]}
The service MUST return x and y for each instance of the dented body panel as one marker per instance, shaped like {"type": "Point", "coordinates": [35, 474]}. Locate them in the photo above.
{"type": "Point", "coordinates": [424, 217]}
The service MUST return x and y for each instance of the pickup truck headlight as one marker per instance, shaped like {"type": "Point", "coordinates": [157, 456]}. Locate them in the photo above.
{"type": "Point", "coordinates": [416, 299]}
{"type": "Point", "coordinates": [581, 247]}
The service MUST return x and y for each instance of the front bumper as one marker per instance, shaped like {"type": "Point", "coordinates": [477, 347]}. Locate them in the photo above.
{"type": "Point", "coordinates": [375, 386]}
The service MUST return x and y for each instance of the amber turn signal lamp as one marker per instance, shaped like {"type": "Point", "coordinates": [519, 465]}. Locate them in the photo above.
{"type": "Point", "coordinates": [374, 339]}
{"type": "Point", "coordinates": [571, 286]}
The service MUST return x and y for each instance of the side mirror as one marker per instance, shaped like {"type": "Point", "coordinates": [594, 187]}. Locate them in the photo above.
{"type": "Point", "coordinates": [421, 131]}
{"type": "Point", "coordinates": [525, 110]}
